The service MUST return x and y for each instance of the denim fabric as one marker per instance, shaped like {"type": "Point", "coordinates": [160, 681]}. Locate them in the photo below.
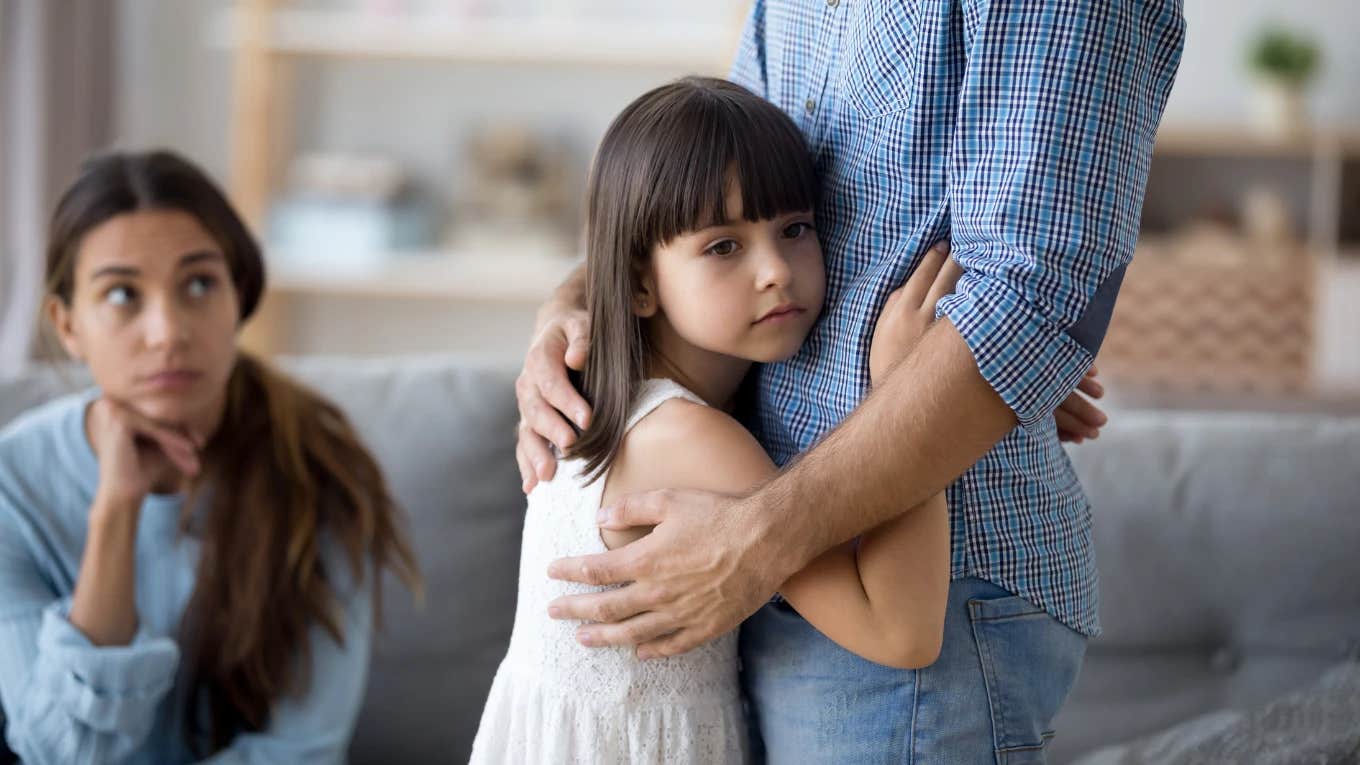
{"type": "Point", "coordinates": [1003, 673]}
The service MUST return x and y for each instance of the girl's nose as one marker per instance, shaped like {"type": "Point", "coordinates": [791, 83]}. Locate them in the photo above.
{"type": "Point", "coordinates": [772, 269]}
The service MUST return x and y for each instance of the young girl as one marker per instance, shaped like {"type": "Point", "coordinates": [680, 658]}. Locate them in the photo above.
{"type": "Point", "coordinates": [702, 259]}
{"type": "Point", "coordinates": [189, 552]}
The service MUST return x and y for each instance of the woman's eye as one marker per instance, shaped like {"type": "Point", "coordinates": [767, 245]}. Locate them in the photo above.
{"type": "Point", "coordinates": [795, 230]}
{"type": "Point", "coordinates": [120, 296]}
{"type": "Point", "coordinates": [200, 285]}
{"type": "Point", "coordinates": [723, 248]}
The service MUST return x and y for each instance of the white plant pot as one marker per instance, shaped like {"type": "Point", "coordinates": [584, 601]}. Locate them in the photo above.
{"type": "Point", "coordinates": [1278, 109]}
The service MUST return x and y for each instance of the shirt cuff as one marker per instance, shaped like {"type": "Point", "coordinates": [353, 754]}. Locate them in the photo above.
{"type": "Point", "coordinates": [1027, 359]}
{"type": "Point", "coordinates": [111, 689]}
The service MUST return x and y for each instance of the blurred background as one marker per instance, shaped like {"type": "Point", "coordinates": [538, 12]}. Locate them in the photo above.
{"type": "Point", "coordinates": [416, 168]}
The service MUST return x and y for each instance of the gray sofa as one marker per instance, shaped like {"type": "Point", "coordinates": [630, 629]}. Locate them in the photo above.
{"type": "Point", "coordinates": [1227, 549]}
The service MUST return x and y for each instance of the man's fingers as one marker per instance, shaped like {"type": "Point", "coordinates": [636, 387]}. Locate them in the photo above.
{"type": "Point", "coordinates": [554, 388]}
{"type": "Point", "coordinates": [639, 629]}
{"type": "Point", "coordinates": [605, 607]}
{"type": "Point", "coordinates": [674, 644]}
{"type": "Point", "coordinates": [578, 343]}
{"type": "Point", "coordinates": [528, 477]}
{"type": "Point", "coordinates": [1091, 387]}
{"type": "Point", "coordinates": [548, 422]}
{"type": "Point", "coordinates": [537, 453]}
{"type": "Point", "coordinates": [646, 509]}
{"type": "Point", "coordinates": [613, 567]}
{"type": "Point", "coordinates": [944, 283]}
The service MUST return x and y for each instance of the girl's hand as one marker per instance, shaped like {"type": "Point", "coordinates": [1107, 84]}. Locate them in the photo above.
{"type": "Point", "coordinates": [1079, 419]}
{"type": "Point", "coordinates": [135, 451]}
{"type": "Point", "coordinates": [910, 311]}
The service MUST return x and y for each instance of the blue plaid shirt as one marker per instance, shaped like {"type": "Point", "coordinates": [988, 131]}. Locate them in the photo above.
{"type": "Point", "coordinates": [1021, 131]}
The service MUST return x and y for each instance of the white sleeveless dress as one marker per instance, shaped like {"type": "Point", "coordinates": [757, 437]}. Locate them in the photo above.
{"type": "Point", "coordinates": [556, 701]}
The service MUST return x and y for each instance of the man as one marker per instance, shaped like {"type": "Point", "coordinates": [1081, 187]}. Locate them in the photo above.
{"type": "Point", "coordinates": [1021, 132]}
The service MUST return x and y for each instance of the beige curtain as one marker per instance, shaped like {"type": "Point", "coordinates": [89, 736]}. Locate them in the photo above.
{"type": "Point", "coordinates": [56, 81]}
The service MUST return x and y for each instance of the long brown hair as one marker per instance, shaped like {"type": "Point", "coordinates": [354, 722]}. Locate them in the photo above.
{"type": "Point", "coordinates": [662, 169]}
{"type": "Point", "coordinates": [291, 494]}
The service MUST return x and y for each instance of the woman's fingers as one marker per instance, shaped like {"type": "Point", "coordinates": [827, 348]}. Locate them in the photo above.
{"type": "Point", "coordinates": [177, 446]}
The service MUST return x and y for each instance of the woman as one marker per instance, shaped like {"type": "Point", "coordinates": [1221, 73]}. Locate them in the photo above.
{"type": "Point", "coordinates": [190, 551]}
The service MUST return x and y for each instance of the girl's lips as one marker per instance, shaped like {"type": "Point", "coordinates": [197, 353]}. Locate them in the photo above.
{"type": "Point", "coordinates": [780, 315]}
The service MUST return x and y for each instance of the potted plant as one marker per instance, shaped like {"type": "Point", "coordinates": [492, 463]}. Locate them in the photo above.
{"type": "Point", "coordinates": [1282, 63]}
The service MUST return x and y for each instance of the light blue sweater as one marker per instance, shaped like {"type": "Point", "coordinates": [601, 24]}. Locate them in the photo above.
{"type": "Point", "coordinates": [69, 701]}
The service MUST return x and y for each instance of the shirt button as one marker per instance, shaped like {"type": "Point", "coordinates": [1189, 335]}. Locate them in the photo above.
{"type": "Point", "coordinates": [811, 106]}
{"type": "Point", "coordinates": [833, 3]}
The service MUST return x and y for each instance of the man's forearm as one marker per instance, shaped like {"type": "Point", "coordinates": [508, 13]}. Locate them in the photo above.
{"type": "Point", "coordinates": [928, 422]}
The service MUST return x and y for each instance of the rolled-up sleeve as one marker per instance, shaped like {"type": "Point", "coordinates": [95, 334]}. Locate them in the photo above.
{"type": "Point", "coordinates": [68, 700]}
{"type": "Point", "coordinates": [1057, 113]}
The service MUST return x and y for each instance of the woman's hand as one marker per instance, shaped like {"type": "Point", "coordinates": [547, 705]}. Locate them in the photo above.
{"type": "Point", "coordinates": [910, 311]}
{"type": "Point", "coordinates": [134, 452]}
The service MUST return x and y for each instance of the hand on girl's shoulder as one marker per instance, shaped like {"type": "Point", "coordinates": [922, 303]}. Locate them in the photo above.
{"type": "Point", "coordinates": [684, 445]}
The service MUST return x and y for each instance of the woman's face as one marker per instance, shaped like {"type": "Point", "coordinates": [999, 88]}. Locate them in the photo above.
{"type": "Point", "coordinates": [153, 314]}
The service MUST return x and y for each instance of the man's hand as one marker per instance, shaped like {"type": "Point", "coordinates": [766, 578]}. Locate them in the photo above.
{"type": "Point", "coordinates": [544, 392]}
{"type": "Point", "coordinates": [711, 561]}
{"type": "Point", "coordinates": [1079, 419]}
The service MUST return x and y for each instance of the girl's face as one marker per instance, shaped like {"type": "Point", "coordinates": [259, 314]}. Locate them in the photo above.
{"type": "Point", "coordinates": [746, 290]}
{"type": "Point", "coordinates": [153, 313]}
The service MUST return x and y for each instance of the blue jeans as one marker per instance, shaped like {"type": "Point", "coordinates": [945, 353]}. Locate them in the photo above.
{"type": "Point", "coordinates": [1005, 669]}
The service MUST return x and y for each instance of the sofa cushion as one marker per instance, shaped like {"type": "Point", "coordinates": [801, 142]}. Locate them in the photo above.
{"type": "Point", "coordinates": [1311, 725]}
{"type": "Point", "coordinates": [1225, 545]}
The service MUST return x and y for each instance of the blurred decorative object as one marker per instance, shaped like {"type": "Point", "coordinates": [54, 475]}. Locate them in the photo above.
{"type": "Point", "coordinates": [345, 212]}
{"type": "Point", "coordinates": [1204, 325]}
{"type": "Point", "coordinates": [1266, 221]}
{"type": "Point", "coordinates": [517, 189]}
{"type": "Point", "coordinates": [1283, 62]}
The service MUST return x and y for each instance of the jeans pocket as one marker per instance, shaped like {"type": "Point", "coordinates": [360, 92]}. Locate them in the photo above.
{"type": "Point", "coordinates": [1030, 662]}
{"type": "Point", "coordinates": [879, 72]}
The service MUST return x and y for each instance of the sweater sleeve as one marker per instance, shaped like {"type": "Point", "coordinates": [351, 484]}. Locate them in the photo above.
{"type": "Point", "coordinates": [68, 700]}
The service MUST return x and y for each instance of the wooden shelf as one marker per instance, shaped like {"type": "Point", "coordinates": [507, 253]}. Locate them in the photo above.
{"type": "Point", "coordinates": [435, 275]}
{"type": "Point", "coordinates": [1230, 141]}
{"type": "Point", "coordinates": [706, 47]}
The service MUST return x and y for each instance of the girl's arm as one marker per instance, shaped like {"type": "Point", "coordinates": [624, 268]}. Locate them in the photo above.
{"type": "Point", "coordinates": [883, 597]}
{"type": "Point", "coordinates": [883, 600]}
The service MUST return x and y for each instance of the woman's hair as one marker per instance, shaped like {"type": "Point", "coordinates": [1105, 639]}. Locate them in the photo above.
{"type": "Point", "coordinates": [291, 493]}
{"type": "Point", "coordinates": [662, 170]}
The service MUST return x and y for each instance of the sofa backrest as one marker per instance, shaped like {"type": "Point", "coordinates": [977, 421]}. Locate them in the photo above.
{"type": "Point", "coordinates": [1227, 550]}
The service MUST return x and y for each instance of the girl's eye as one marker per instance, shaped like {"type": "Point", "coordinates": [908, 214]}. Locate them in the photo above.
{"type": "Point", "coordinates": [120, 296]}
{"type": "Point", "coordinates": [723, 248]}
{"type": "Point", "coordinates": [795, 230]}
{"type": "Point", "coordinates": [200, 285]}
